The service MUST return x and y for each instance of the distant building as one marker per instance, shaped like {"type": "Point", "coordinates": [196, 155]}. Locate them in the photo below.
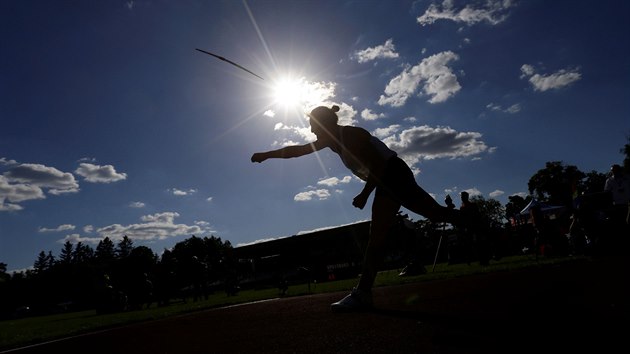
{"type": "Point", "coordinates": [329, 254]}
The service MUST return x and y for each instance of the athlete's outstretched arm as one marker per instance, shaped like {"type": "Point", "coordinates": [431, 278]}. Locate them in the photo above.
{"type": "Point", "coordinates": [287, 152]}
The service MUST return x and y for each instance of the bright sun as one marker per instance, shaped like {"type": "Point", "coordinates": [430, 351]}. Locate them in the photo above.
{"type": "Point", "coordinates": [293, 93]}
{"type": "Point", "coordinates": [286, 92]}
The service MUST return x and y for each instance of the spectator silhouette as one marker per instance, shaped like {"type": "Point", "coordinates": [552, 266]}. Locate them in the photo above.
{"type": "Point", "coordinates": [618, 184]}
{"type": "Point", "coordinates": [109, 299]}
{"type": "Point", "coordinates": [476, 238]}
{"type": "Point", "coordinates": [140, 291]}
{"type": "Point", "coordinates": [382, 170]}
{"type": "Point", "coordinates": [283, 285]}
{"type": "Point", "coordinates": [198, 277]}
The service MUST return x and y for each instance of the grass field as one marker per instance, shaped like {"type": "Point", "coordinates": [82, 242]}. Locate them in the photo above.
{"type": "Point", "coordinates": [21, 332]}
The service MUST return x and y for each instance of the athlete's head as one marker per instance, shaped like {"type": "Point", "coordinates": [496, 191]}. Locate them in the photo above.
{"type": "Point", "coordinates": [323, 119]}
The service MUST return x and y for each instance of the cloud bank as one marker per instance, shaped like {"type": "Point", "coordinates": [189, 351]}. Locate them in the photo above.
{"type": "Point", "coordinates": [491, 12]}
{"type": "Point", "coordinates": [99, 174]}
{"type": "Point", "coordinates": [431, 77]}
{"type": "Point", "coordinates": [557, 80]}
{"type": "Point", "coordinates": [29, 181]}
{"type": "Point", "coordinates": [385, 51]}
{"type": "Point", "coordinates": [157, 226]}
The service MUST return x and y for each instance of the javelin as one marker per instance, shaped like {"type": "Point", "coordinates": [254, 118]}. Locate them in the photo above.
{"type": "Point", "coordinates": [229, 61]}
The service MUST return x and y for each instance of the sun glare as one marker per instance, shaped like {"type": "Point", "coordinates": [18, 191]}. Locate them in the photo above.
{"type": "Point", "coordinates": [297, 93]}
{"type": "Point", "coordinates": [289, 93]}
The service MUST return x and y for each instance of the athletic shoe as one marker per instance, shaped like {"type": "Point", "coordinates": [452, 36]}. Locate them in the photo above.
{"type": "Point", "coordinates": [358, 300]}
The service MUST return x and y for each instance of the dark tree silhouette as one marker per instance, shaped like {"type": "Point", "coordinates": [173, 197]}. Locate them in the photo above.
{"type": "Point", "coordinates": [105, 250]}
{"type": "Point", "coordinates": [555, 183]}
{"type": "Point", "coordinates": [625, 150]}
{"type": "Point", "coordinates": [491, 209]}
{"type": "Point", "coordinates": [44, 262]}
{"type": "Point", "coordinates": [83, 253]}
{"type": "Point", "coordinates": [515, 204]}
{"type": "Point", "coordinates": [4, 276]}
{"type": "Point", "coordinates": [65, 257]}
{"type": "Point", "coordinates": [124, 247]}
{"type": "Point", "coordinates": [138, 267]}
{"type": "Point", "coordinates": [593, 183]}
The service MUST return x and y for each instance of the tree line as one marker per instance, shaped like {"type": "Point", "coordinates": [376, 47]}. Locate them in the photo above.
{"type": "Point", "coordinates": [115, 277]}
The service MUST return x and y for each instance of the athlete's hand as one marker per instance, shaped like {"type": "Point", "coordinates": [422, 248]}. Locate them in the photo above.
{"type": "Point", "coordinates": [360, 200]}
{"type": "Point", "coordinates": [259, 157]}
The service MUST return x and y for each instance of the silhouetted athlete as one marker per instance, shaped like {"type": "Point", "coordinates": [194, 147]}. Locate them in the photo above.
{"type": "Point", "coordinates": [372, 161]}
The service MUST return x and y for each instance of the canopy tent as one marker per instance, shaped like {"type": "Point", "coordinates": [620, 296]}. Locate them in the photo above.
{"type": "Point", "coordinates": [545, 208]}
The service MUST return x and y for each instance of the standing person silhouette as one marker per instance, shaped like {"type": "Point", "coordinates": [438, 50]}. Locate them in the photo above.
{"type": "Point", "coordinates": [381, 169]}
{"type": "Point", "coordinates": [618, 185]}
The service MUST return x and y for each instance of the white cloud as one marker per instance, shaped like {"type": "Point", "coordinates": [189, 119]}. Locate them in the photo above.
{"type": "Point", "coordinates": [209, 199]}
{"type": "Point", "coordinates": [473, 191]}
{"type": "Point", "coordinates": [76, 238]}
{"type": "Point", "coordinates": [64, 227]}
{"type": "Point", "coordinates": [28, 182]}
{"type": "Point", "coordinates": [88, 229]}
{"type": "Point", "coordinates": [4, 206]}
{"type": "Point", "coordinates": [269, 113]}
{"type": "Point", "coordinates": [284, 143]}
{"type": "Point", "coordinates": [382, 133]}
{"type": "Point", "coordinates": [437, 79]}
{"type": "Point", "coordinates": [156, 226]}
{"type": "Point", "coordinates": [181, 192]}
{"type": "Point", "coordinates": [369, 115]}
{"type": "Point", "coordinates": [489, 11]}
{"type": "Point", "coordinates": [386, 50]}
{"type": "Point", "coordinates": [515, 108]}
{"type": "Point", "coordinates": [496, 193]}
{"type": "Point", "coordinates": [166, 217]}
{"type": "Point", "coordinates": [557, 80]}
{"type": "Point", "coordinates": [136, 205]}
{"type": "Point", "coordinates": [99, 174]}
{"type": "Point", "coordinates": [318, 92]}
{"type": "Point", "coordinates": [424, 142]}
{"type": "Point", "coordinates": [527, 70]}
{"type": "Point", "coordinates": [18, 192]}
{"type": "Point", "coordinates": [346, 113]}
{"type": "Point", "coordinates": [6, 162]}
{"type": "Point", "coordinates": [321, 194]}
{"type": "Point", "coordinates": [333, 181]}
{"type": "Point", "coordinates": [41, 176]}
{"type": "Point", "coordinates": [410, 119]}
{"type": "Point", "coordinates": [493, 107]}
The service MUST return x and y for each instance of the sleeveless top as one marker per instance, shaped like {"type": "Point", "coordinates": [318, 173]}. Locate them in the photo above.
{"type": "Point", "coordinates": [359, 169]}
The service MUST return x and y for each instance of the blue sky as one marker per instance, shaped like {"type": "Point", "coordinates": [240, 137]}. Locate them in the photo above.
{"type": "Point", "coordinates": [112, 124]}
